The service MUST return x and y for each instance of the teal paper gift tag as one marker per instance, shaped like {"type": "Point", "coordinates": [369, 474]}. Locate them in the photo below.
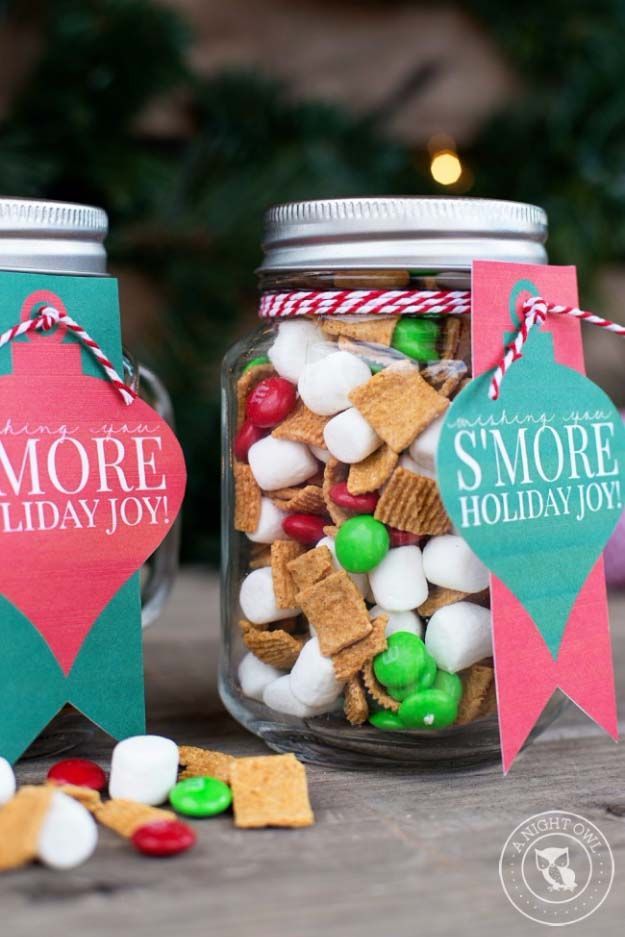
{"type": "Point", "coordinates": [91, 480]}
{"type": "Point", "coordinates": [535, 481]}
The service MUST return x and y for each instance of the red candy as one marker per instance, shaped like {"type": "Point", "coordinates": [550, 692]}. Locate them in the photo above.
{"type": "Point", "coordinates": [163, 838]}
{"type": "Point", "coordinates": [361, 504]}
{"type": "Point", "coordinates": [307, 529]}
{"type": "Point", "coordinates": [402, 538]}
{"type": "Point", "coordinates": [270, 402]}
{"type": "Point", "coordinates": [78, 771]}
{"type": "Point", "coordinates": [245, 438]}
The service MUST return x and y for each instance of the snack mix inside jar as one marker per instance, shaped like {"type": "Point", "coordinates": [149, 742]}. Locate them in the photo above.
{"type": "Point", "coordinates": [356, 621]}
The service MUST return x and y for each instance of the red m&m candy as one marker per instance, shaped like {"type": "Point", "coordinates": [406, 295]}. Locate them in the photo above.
{"type": "Point", "coordinates": [403, 538]}
{"type": "Point", "coordinates": [307, 529]}
{"type": "Point", "coordinates": [163, 838]}
{"type": "Point", "coordinates": [245, 438]}
{"type": "Point", "coordinates": [270, 402]}
{"type": "Point", "coordinates": [78, 771]}
{"type": "Point", "coordinates": [361, 504]}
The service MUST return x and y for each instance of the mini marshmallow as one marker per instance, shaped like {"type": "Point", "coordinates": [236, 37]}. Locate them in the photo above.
{"type": "Point", "coordinates": [269, 523]}
{"type": "Point", "coordinates": [320, 453]}
{"type": "Point", "coordinates": [450, 562]}
{"type": "Point", "coordinates": [399, 621]}
{"type": "Point", "coordinates": [349, 437]}
{"type": "Point", "coordinates": [144, 768]}
{"type": "Point", "coordinates": [258, 600]}
{"type": "Point", "coordinates": [280, 463]}
{"type": "Point", "coordinates": [292, 347]}
{"type": "Point", "coordinates": [68, 835]}
{"type": "Point", "coordinates": [313, 680]}
{"type": "Point", "coordinates": [359, 579]}
{"type": "Point", "coordinates": [7, 782]}
{"type": "Point", "coordinates": [255, 676]}
{"type": "Point", "coordinates": [398, 583]}
{"type": "Point", "coordinates": [423, 448]}
{"type": "Point", "coordinates": [324, 385]}
{"type": "Point", "coordinates": [279, 696]}
{"type": "Point", "coordinates": [459, 635]}
{"type": "Point", "coordinates": [406, 461]}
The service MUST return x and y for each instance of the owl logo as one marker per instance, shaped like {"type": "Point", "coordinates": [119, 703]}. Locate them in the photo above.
{"type": "Point", "coordinates": [553, 863]}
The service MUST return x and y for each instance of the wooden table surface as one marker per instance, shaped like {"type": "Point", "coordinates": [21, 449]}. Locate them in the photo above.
{"type": "Point", "coordinates": [392, 852]}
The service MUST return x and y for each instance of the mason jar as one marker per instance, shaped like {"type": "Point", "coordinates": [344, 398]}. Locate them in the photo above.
{"type": "Point", "coordinates": [341, 569]}
{"type": "Point", "coordinates": [44, 236]}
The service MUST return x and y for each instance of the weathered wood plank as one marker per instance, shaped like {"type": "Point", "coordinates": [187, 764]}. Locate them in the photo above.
{"type": "Point", "coordinates": [392, 852]}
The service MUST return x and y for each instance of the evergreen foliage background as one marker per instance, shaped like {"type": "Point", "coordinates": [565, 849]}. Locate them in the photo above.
{"type": "Point", "coordinates": [187, 212]}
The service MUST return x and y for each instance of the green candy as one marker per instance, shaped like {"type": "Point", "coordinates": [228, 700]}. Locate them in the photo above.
{"type": "Point", "coordinates": [401, 664]}
{"type": "Point", "coordinates": [400, 693]}
{"type": "Point", "coordinates": [361, 543]}
{"type": "Point", "coordinates": [262, 359]}
{"type": "Point", "coordinates": [428, 709]}
{"type": "Point", "coordinates": [449, 683]}
{"type": "Point", "coordinates": [428, 673]}
{"type": "Point", "coordinates": [200, 797]}
{"type": "Point", "coordinates": [417, 338]}
{"type": "Point", "coordinates": [386, 720]}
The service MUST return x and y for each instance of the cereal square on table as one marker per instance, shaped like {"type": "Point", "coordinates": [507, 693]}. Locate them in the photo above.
{"type": "Point", "coordinates": [398, 404]}
{"type": "Point", "coordinates": [270, 790]}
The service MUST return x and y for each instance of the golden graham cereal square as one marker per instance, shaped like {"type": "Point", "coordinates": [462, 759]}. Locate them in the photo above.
{"type": "Point", "coordinates": [282, 552]}
{"type": "Point", "coordinates": [302, 425]}
{"type": "Point", "coordinates": [270, 790]}
{"type": "Point", "coordinates": [247, 499]}
{"type": "Point", "coordinates": [336, 609]}
{"type": "Point", "coordinates": [412, 502]}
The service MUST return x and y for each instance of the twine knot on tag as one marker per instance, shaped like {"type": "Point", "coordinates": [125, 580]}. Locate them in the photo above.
{"type": "Point", "coordinates": [45, 320]}
{"type": "Point", "coordinates": [534, 312]}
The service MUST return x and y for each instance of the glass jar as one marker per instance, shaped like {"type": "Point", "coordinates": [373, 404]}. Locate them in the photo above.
{"type": "Point", "coordinates": [42, 236]}
{"type": "Point", "coordinates": [335, 543]}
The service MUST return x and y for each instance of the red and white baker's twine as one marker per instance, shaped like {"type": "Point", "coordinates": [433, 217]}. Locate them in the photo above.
{"type": "Point", "coordinates": [534, 312]}
{"type": "Point", "coordinates": [364, 302]}
{"type": "Point", "coordinates": [46, 319]}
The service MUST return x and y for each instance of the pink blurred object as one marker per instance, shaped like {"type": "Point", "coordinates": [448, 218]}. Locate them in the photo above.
{"type": "Point", "coordinates": [614, 553]}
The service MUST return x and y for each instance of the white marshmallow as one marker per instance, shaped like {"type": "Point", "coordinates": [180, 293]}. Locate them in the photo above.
{"type": "Point", "coordinates": [398, 582]}
{"type": "Point", "coordinates": [399, 621]}
{"type": "Point", "coordinates": [279, 696]}
{"type": "Point", "coordinates": [349, 437]}
{"type": "Point", "coordinates": [255, 676]}
{"type": "Point", "coordinates": [258, 600]}
{"type": "Point", "coordinates": [406, 461]}
{"type": "Point", "coordinates": [7, 782]}
{"type": "Point", "coordinates": [144, 768]}
{"type": "Point", "coordinates": [68, 834]}
{"type": "Point", "coordinates": [320, 453]}
{"type": "Point", "coordinates": [313, 680]}
{"type": "Point", "coordinates": [450, 562]}
{"type": "Point", "coordinates": [280, 463]}
{"type": "Point", "coordinates": [423, 448]}
{"type": "Point", "coordinates": [324, 385]}
{"type": "Point", "coordinates": [269, 523]}
{"type": "Point", "coordinates": [359, 579]}
{"type": "Point", "coordinates": [292, 347]}
{"type": "Point", "coordinates": [459, 635]}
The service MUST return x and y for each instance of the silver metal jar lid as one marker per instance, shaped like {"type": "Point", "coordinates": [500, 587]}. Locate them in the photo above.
{"type": "Point", "coordinates": [52, 237]}
{"type": "Point", "coordinates": [412, 233]}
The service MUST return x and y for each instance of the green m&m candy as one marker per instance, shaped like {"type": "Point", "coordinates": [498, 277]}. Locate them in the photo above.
{"type": "Point", "coordinates": [417, 338]}
{"type": "Point", "coordinates": [386, 720]}
{"type": "Point", "coordinates": [401, 664]}
{"type": "Point", "coordinates": [262, 359]}
{"type": "Point", "coordinates": [428, 709]}
{"type": "Point", "coordinates": [361, 543]}
{"type": "Point", "coordinates": [400, 693]}
{"type": "Point", "coordinates": [200, 797]}
{"type": "Point", "coordinates": [428, 672]}
{"type": "Point", "coordinates": [449, 683]}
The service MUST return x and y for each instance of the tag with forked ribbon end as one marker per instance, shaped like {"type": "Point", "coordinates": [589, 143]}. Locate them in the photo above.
{"type": "Point", "coordinates": [534, 481]}
{"type": "Point", "coordinates": [91, 481]}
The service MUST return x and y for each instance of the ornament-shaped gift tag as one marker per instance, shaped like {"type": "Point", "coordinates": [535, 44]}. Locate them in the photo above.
{"type": "Point", "coordinates": [535, 482]}
{"type": "Point", "coordinates": [91, 481]}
